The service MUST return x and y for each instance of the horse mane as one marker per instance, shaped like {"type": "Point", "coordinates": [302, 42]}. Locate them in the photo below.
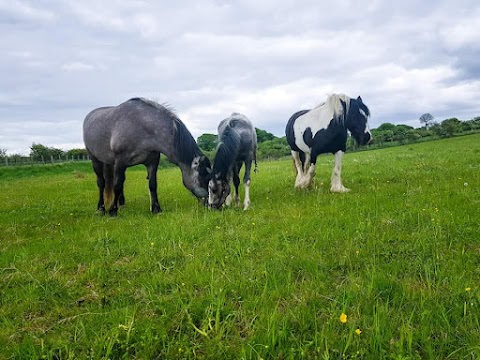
{"type": "Point", "coordinates": [341, 105]}
{"type": "Point", "coordinates": [183, 140]}
{"type": "Point", "coordinates": [227, 150]}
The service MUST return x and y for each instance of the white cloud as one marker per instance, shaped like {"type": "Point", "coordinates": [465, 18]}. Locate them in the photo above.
{"type": "Point", "coordinates": [462, 34]}
{"type": "Point", "coordinates": [265, 59]}
{"type": "Point", "coordinates": [22, 10]}
{"type": "Point", "coordinates": [77, 66]}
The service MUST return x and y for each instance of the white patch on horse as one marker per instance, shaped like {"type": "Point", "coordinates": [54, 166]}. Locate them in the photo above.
{"type": "Point", "coordinates": [246, 202]}
{"type": "Point", "coordinates": [336, 180]}
{"type": "Point", "coordinates": [316, 119]}
{"type": "Point", "coordinates": [297, 162]}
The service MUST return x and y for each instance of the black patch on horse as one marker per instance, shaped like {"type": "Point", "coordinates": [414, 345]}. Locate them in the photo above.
{"type": "Point", "coordinates": [308, 137]}
{"type": "Point", "coordinates": [290, 133]}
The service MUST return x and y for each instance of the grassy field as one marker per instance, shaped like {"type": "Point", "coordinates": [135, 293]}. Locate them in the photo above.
{"type": "Point", "coordinates": [399, 256]}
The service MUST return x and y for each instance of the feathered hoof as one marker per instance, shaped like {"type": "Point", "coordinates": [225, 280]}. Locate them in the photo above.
{"type": "Point", "coordinates": [303, 183]}
{"type": "Point", "coordinates": [342, 189]}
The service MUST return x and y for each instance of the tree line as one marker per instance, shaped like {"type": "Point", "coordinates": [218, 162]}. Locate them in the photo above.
{"type": "Point", "coordinates": [42, 154]}
{"type": "Point", "coordinates": [273, 147]}
{"type": "Point", "coordinates": [387, 134]}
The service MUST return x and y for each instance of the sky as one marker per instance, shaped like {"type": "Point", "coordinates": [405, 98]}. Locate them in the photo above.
{"type": "Point", "coordinates": [266, 59]}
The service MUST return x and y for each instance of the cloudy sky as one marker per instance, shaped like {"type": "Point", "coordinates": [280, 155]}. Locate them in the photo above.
{"type": "Point", "coordinates": [266, 59]}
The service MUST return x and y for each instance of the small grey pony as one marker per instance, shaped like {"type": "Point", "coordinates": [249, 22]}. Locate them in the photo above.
{"type": "Point", "coordinates": [137, 132]}
{"type": "Point", "coordinates": [237, 145]}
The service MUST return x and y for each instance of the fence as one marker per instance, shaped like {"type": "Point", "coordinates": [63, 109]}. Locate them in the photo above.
{"type": "Point", "coordinates": [26, 160]}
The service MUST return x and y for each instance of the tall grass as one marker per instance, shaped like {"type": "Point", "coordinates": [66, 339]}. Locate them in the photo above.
{"type": "Point", "coordinates": [399, 255]}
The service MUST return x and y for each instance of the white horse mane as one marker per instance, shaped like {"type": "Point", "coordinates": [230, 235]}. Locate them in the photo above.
{"type": "Point", "coordinates": [334, 102]}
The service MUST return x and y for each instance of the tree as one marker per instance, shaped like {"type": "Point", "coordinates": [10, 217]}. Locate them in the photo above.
{"type": "Point", "coordinates": [207, 142]}
{"type": "Point", "coordinates": [427, 119]}
{"type": "Point", "coordinates": [275, 148]}
{"type": "Point", "coordinates": [388, 135]}
{"type": "Point", "coordinates": [77, 152]}
{"type": "Point", "coordinates": [3, 153]}
{"type": "Point", "coordinates": [438, 130]}
{"type": "Point", "coordinates": [263, 135]}
{"type": "Point", "coordinates": [39, 152]}
{"type": "Point", "coordinates": [413, 135]}
{"type": "Point", "coordinates": [451, 126]}
{"type": "Point", "coordinates": [386, 126]}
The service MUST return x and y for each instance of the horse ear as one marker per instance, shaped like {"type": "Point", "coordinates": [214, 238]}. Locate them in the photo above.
{"type": "Point", "coordinates": [359, 98]}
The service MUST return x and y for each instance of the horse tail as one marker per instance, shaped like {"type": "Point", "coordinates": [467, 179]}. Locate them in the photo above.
{"type": "Point", "coordinates": [108, 194]}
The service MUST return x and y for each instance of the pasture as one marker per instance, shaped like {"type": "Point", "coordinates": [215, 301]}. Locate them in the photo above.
{"type": "Point", "coordinates": [399, 256]}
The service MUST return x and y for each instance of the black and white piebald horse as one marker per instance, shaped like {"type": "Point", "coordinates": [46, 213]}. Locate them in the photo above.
{"type": "Point", "coordinates": [324, 130]}
{"type": "Point", "coordinates": [137, 132]}
{"type": "Point", "coordinates": [237, 144]}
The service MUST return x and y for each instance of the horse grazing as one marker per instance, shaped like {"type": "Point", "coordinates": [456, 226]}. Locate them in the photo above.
{"type": "Point", "coordinates": [137, 132]}
{"type": "Point", "coordinates": [324, 130]}
{"type": "Point", "coordinates": [237, 144]}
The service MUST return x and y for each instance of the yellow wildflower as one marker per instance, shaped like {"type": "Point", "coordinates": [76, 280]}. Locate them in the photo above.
{"type": "Point", "coordinates": [343, 318]}
{"type": "Point", "coordinates": [468, 289]}
{"type": "Point", "coordinates": [358, 331]}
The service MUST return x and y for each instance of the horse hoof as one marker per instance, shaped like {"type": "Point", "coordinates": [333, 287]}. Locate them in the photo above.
{"type": "Point", "coordinates": [113, 213]}
{"type": "Point", "coordinates": [156, 210]}
{"type": "Point", "coordinates": [339, 190]}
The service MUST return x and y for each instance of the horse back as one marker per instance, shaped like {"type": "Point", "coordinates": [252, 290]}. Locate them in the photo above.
{"type": "Point", "coordinates": [130, 130]}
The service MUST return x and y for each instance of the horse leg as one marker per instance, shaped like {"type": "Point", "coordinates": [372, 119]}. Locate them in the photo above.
{"type": "Point", "coordinates": [108, 194]}
{"type": "Point", "coordinates": [98, 168]}
{"type": "Point", "coordinates": [121, 199]}
{"type": "Point", "coordinates": [246, 183]}
{"type": "Point", "coordinates": [236, 182]}
{"type": "Point", "coordinates": [310, 167]}
{"type": "Point", "coordinates": [152, 167]}
{"type": "Point", "coordinates": [118, 182]}
{"type": "Point", "coordinates": [307, 162]}
{"type": "Point", "coordinates": [336, 181]}
{"type": "Point", "coordinates": [298, 168]}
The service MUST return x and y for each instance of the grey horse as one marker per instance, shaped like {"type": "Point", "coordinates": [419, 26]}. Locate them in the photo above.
{"type": "Point", "coordinates": [237, 144]}
{"type": "Point", "coordinates": [137, 132]}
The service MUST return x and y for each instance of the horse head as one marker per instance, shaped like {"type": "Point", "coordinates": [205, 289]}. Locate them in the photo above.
{"type": "Point", "coordinates": [218, 190]}
{"type": "Point", "coordinates": [357, 121]}
{"type": "Point", "coordinates": [196, 179]}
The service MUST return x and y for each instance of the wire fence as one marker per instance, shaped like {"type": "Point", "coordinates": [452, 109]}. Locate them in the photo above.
{"type": "Point", "coordinates": [28, 160]}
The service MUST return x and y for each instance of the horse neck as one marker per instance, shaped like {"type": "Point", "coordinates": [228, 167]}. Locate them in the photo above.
{"type": "Point", "coordinates": [185, 147]}
{"type": "Point", "coordinates": [226, 156]}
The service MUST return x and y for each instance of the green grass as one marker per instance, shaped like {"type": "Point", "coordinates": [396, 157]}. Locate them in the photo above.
{"type": "Point", "coordinates": [396, 255]}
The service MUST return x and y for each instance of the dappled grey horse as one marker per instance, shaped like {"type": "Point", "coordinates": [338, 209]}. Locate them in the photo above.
{"type": "Point", "coordinates": [237, 144]}
{"type": "Point", "coordinates": [137, 132]}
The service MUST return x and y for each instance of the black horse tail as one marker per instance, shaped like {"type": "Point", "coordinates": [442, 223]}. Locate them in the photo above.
{"type": "Point", "coordinates": [108, 194]}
